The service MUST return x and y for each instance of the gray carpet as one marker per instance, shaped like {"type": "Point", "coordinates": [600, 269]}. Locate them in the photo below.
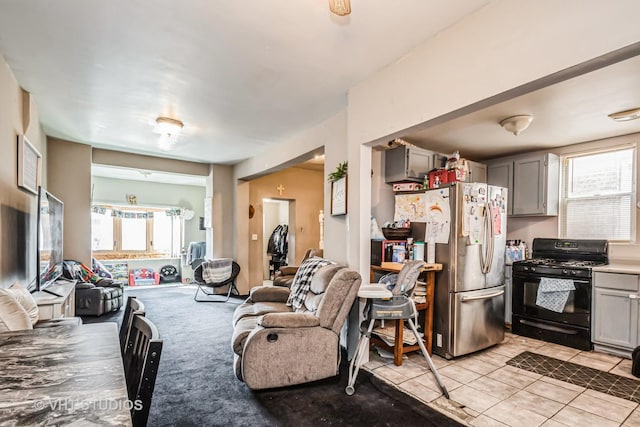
{"type": "Point", "coordinates": [196, 385]}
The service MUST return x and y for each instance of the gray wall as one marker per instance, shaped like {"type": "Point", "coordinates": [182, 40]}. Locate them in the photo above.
{"type": "Point", "coordinates": [114, 191]}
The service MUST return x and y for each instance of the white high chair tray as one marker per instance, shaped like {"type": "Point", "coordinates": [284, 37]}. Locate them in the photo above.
{"type": "Point", "coordinates": [374, 291]}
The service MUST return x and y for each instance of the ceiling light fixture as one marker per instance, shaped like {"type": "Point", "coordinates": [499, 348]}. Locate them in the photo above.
{"type": "Point", "coordinates": [625, 116]}
{"type": "Point", "coordinates": [340, 7]}
{"type": "Point", "coordinates": [516, 124]}
{"type": "Point", "coordinates": [168, 126]}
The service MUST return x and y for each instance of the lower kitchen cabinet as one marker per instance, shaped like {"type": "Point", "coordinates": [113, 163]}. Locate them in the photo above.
{"type": "Point", "coordinates": [615, 312]}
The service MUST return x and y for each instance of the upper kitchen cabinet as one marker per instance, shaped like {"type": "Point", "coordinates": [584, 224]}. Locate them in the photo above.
{"type": "Point", "coordinates": [477, 172]}
{"type": "Point", "coordinates": [532, 180]}
{"type": "Point", "coordinates": [407, 163]}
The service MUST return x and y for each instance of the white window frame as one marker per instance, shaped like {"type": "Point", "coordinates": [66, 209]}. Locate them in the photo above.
{"type": "Point", "coordinates": [117, 233]}
{"type": "Point", "coordinates": [564, 188]}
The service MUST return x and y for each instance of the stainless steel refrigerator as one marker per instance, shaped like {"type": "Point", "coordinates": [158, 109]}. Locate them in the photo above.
{"type": "Point", "coordinates": [469, 294]}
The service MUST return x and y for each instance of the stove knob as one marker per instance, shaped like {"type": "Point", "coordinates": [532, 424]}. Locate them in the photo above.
{"type": "Point", "coordinates": [565, 272]}
{"type": "Point", "coordinates": [525, 268]}
{"type": "Point", "coordinates": [573, 272]}
{"type": "Point", "coordinates": [533, 269]}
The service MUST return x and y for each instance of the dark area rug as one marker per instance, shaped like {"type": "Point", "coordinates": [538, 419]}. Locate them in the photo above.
{"type": "Point", "coordinates": [196, 385]}
{"type": "Point", "coordinates": [584, 376]}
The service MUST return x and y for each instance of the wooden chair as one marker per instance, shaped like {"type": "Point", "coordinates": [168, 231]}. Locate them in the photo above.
{"type": "Point", "coordinates": [133, 306]}
{"type": "Point", "coordinates": [144, 354]}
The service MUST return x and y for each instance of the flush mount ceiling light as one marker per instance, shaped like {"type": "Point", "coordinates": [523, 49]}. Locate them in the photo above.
{"type": "Point", "coordinates": [625, 116]}
{"type": "Point", "coordinates": [516, 124]}
{"type": "Point", "coordinates": [168, 126]}
{"type": "Point", "coordinates": [340, 7]}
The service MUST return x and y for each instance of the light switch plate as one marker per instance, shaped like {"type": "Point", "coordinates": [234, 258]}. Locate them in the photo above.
{"type": "Point", "coordinates": [254, 237]}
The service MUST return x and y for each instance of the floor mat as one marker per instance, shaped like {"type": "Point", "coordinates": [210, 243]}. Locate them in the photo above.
{"type": "Point", "coordinates": [584, 376]}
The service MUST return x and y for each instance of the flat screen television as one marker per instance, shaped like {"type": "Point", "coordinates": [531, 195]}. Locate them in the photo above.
{"type": "Point", "coordinates": [50, 257]}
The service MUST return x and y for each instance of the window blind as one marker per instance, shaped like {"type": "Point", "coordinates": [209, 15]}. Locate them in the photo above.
{"type": "Point", "coordinates": [597, 195]}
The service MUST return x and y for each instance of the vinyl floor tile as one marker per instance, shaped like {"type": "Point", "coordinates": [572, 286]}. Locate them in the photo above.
{"type": "Point", "coordinates": [536, 403]}
{"type": "Point", "coordinates": [580, 375]}
{"type": "Point", "coordinates": [513, 415]}
{"type": "Point", "coordinates": [571, 416]}
{"type": "Point", "coordinates": [473, 399]}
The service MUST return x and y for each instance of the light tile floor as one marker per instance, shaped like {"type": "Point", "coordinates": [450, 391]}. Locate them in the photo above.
{"type": "Point", "coordinates": [484, 391]}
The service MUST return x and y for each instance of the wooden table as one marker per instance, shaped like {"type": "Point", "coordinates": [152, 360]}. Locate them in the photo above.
{"type": "Point", "coordinates": [399, 349]}
{"type": "Point", "coordinates": [63, 375]}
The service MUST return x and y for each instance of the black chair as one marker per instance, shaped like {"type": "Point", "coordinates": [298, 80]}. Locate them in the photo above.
{"type": "Point", "coordinates": [134, 306]}
{"type": "Point", "coordinates": [144, 354]}
{"type": "Point", "coordinates": [204, 285]}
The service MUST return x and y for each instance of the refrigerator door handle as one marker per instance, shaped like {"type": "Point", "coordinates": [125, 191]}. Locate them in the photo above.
{"type": "Point", "coordinates": [486, 253]}
{"type": "Point", "coordinates": [488, 296]}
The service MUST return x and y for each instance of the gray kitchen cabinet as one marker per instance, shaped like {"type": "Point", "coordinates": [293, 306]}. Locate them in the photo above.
{"type": "Point", "coordinates": [532, 180]}
{"type": "Point", "coordinates": [500, 173]}
{"type": "Point", "coordinates": [614, 324]}
{"type": "Point", "coordinates": [477, 172]}
{"type": "Point", "coordinates": [406, 163]}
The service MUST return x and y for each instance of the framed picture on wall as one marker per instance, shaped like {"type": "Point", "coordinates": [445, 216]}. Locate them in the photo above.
{"type": "Point", "coordinates": [339, 197]}
{"type": "Point", "coordinates": [29, 165]}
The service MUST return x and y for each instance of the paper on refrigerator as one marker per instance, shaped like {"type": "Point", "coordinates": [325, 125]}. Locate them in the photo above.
{"type": "Point", "coordinates": [474, 206]}
{"type": "Point", "coordinates": [411, 207]}
{"type": "Point", "coordinates": [438, 216]}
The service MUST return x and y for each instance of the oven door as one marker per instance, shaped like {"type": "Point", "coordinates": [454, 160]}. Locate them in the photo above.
{"type": "Point", "coordinates": [576, 310]}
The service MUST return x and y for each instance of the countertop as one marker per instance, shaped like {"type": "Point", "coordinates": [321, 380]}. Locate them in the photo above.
{"type": "Point", "coordinates": [63, 375]}
{"type": "Point", "coordinates": [619, 267]}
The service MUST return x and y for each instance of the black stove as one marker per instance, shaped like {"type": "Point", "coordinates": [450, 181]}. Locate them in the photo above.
{"type": "Point", "coordinates": [557, 262]}
{"type": "Point", "coordinates": [564, 258]}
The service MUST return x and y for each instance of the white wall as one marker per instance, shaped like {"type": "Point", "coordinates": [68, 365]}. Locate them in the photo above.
{"type": "Point", "coordinates": [382, 195]}
{"type": "Point", "coordinates": [114, 191]}
{"type": "Point", "coordinates": [330, 134]}
{"type": "Point", "coordinates": [501, 47]}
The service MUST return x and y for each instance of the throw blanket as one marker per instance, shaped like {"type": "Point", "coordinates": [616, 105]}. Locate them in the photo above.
{"type": "Point", "coordinates": [216, 270]}
{"type": "Point", "coordinates": [553, 293]}
{"type": "Point", "coordinates": [302, 281]}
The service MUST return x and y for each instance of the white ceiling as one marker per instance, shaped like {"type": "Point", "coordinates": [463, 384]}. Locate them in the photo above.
{"type": "Point", "coordinates": [569, 112]}
{"type": "Point", "coordinates": [241, 75]}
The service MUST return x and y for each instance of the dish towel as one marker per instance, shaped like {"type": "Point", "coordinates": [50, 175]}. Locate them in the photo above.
{"type": "Point", "coordinates": [553, 293]}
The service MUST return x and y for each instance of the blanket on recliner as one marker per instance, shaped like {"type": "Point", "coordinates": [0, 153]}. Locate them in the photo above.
{"type": "Point", "coordinates": [302, 281]}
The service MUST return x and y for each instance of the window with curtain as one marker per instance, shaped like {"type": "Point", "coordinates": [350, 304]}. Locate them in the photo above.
{"type": "Point", "coordinates": [149, 232]}
{"type": "Point", "coordinates": [598, 195]}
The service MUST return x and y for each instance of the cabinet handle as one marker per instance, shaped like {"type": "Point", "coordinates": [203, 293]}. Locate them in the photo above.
{"type": "Point", "coordinates": [634, 296]}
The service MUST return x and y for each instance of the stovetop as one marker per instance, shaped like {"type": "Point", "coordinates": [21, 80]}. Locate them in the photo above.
{"type": "Point", "coordinates": [557, 257]}
{"type": "Point", "coordinates": [559, 263]}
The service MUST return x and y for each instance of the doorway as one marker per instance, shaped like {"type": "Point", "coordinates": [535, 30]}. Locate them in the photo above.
{"type": "Point", "coordinates": [277, 213]}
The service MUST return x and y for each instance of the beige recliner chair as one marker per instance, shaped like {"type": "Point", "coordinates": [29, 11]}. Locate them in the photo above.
{"type": "Point", "coordinates": [285, 274]}
{"type": "Point", "coordinates": [276, 346]}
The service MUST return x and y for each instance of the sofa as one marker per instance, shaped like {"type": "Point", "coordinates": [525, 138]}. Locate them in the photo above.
{"type": "Point", "coordinates": [285, 274]}
{"type": "Point", "coordinates": [276, 344]}
{"type": "Point", "coordinates": [96, 299]}
{"type": "Point", "coordinates": [143, 276]}
{"type": "Point", "coordinates": [19, 311]}
{"type": "Point", "coordinates": [95, 295]}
